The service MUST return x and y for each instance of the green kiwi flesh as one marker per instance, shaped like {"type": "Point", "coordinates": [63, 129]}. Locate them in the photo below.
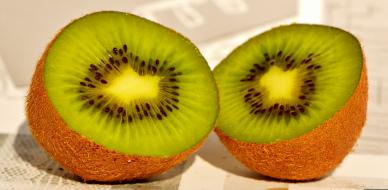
{"type": "Point", "coordinates": [130, 85]}
{"type": "Point", "coordinates": [287, 81]}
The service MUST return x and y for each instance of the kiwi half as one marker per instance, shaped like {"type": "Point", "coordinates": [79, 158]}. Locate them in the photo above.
{"type": "Point", "coordinates": [293, 100]}
{"type": "Point", "coordinates": [117, 97]}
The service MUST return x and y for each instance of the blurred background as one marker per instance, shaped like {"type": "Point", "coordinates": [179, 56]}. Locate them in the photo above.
{"type": "Point", "coordinates": [215, 26]}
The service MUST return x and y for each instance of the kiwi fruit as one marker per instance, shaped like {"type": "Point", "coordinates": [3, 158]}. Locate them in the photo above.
{"type": "Point", "coordinates": [116, 97]}
{"type": "Point", "coordinates": [293, 100]}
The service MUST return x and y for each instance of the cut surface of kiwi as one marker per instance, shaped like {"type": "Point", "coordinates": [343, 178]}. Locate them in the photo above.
{"type": "Point", "coordinates": [286, 82]}
{"type": "Point", "coordinates": [130, 85]}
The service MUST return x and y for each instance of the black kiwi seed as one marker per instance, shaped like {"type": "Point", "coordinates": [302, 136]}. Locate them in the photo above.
{"type": "Point", "coordinates": [259, 67]}
{"type": "Point", "coordinates": [145, 112]}
{"type": "Point", "coordinates": [288, 58]}
{"type": "Point", "coordinates": [148, 106]}
{"type": "Point", "coordinates": [163, 112]}
{"type": "Point", "coordinates": [111, 60]}
{"type": "Point", "coordinates": [153, 69]}
{"type": "Point", "coordinates": [168, 108]}
{"type": "Point", "coordinates": [176, 107]}
{"type": "Point", "coordinates": [93, 67]}
{"type": "Point", "coordinates": [266, 56]}
{"type": "Point", "coordinates": [124, 59]}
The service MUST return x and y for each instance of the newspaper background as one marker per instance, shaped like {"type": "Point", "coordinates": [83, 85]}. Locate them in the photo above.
{"type": "Point", "coordinates": [25, 166]}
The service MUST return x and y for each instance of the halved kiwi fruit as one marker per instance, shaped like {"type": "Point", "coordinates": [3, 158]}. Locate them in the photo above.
{"type": "Point", "coordinates": [117, 97]}
{"type": "Point", "coordinates": [293, 100]}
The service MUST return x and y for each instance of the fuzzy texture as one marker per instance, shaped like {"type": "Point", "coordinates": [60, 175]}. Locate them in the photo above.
{"type": "Point", "coordinates": [90, 161]}
{"type": "Point", "coordinates": [312, 155]}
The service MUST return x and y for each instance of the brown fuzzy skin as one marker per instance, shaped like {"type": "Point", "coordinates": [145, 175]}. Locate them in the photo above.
{"type": "Point", "coordinates": [76, 153]}
{"type": "Point", "coordinates": [312, 155]}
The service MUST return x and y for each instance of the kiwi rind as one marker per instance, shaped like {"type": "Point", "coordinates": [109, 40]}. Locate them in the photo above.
{"type": "Point", "coordinates": [312, 155]}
